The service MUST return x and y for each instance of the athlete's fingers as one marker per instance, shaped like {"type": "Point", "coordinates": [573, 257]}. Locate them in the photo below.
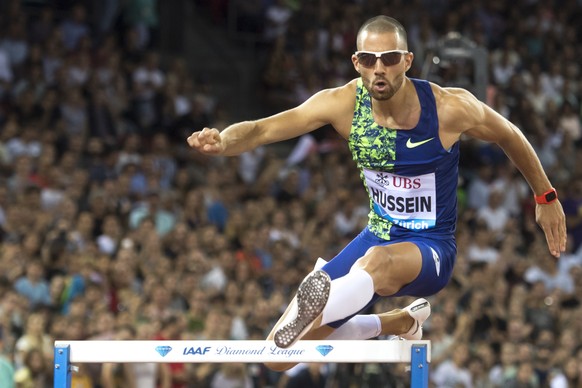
{"type": "Point", "coordinates": [200, 139]}
{"type": "Point", "coordinates": [560, 234]}
{"type": "Point", "coordinates": [549, 227]}
{"type": "Point", "coordinates": [556, 237]}
{"type": "Point", "coordinates": [552, 220]}
{"type": "Point", "coordinates": [209, 136]}
{"type": "Point", "coordinates": [211, 148]}
{"type": "Point", "coordinates": [193, 140]}
{"type": "Point", "coordinates": [551, 234]}
{"type": "Point", "coordinates": [208, 141]}
{"type": "Point", "coordinates": [563, 236]}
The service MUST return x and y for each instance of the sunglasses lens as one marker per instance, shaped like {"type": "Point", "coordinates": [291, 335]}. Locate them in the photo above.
{"type": "Point", "coordinates": [367, 60]}
{"type": "Point", "coordinates": [390, 59]}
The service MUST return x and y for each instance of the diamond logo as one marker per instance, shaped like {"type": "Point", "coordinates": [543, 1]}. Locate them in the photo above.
{"type": "Point", "coordinates": [324, 349]}
{"type": "Point", "coordinates": [163, 350]}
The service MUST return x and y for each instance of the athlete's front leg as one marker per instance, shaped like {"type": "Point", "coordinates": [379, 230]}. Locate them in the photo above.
{"type": "Point", "coordinates": [405, 323]}
{"type": "Point", "coordinates": [382, 270]}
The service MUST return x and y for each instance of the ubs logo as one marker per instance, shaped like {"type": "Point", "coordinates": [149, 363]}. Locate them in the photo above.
{"type": "Point", "coordinates": [382, 179]}
{"type": "Point", "coordinates": [402, 182]}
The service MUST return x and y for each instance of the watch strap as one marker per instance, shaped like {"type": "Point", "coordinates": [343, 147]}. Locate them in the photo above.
{"type": "Point", "coordinates": [547, 197]}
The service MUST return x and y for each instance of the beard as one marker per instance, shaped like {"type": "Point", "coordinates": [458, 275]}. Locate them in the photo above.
{"type": "Point", "coordinates": [385, 89]}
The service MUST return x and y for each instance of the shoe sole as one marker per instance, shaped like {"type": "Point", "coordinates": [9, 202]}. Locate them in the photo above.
{"type": "Point", "coordinates": [312, 296]}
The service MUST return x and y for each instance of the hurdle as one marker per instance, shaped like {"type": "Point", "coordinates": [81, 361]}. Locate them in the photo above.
{"type": "Point", "coordinates": [66, 353]}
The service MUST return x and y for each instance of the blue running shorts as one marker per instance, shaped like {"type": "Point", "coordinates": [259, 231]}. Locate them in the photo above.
{"type": "Point", "coordinates": [438, 260]}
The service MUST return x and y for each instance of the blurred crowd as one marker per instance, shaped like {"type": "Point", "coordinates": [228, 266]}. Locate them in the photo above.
{"type": "Point", "coordinates": [111, 228]}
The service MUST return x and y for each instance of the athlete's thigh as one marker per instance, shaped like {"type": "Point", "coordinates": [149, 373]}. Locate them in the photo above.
{"type": "Point", "coordinates": [392, 265]}
{"type": "Point", "coordinates": [388, 261]}
{"type": "Point", "coordinates": [438, 260]}
{"type": "Point", "coordinates": [341, 264]}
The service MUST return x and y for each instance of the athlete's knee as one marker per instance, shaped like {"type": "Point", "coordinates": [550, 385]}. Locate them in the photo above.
{"type": "Point", "coordinates": [384, 268]}
{"type": "Point", "coordinates": [376, 259]}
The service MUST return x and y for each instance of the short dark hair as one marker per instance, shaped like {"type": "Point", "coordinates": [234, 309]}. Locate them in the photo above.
{"type": "Point", "coordinates": [381, 24]}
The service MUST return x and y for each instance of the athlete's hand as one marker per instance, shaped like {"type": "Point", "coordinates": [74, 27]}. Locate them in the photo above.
{"type": "Point", "coordinates": [550, 217]}
{"type": "Point", "coordinates": [207, 141]}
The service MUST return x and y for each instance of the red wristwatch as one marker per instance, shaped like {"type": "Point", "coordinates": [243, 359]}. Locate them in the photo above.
{"type": "Point", "coordinates": [547, 197]}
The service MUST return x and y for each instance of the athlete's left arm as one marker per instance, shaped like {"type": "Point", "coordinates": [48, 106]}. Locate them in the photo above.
{"type": "Point", "coordinates": [478, 120]}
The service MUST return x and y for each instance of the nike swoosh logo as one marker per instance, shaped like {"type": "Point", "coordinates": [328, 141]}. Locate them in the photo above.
{"type": "Point", "coordinates": [417, 327]}
{"type": "Point", "coordinates": [410, 144]}
{"type": "Point", "coordinates": [437, 261]}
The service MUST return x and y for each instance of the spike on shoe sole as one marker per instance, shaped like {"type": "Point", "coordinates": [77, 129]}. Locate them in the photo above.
{"type": "Point", "coordinates": [312, 297]}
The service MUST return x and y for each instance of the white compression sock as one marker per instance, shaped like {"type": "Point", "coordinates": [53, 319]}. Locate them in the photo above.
{"type": "Point", "coordinates": [348, 295]}
{"type": "Point", "coordinates": [360, 327]}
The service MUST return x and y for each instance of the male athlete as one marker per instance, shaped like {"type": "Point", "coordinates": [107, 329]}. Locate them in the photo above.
{"type": "Point", "coordinates": [404, 136]}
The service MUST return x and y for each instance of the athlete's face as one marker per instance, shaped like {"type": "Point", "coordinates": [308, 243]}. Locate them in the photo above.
{"type": "Point", "coordinates": [381, 79]}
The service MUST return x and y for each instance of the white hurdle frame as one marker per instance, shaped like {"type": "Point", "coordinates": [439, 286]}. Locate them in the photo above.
{"type": "Point", "coordinates": [417, 353]}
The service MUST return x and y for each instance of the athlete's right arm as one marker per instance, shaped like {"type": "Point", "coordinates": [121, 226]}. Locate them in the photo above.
{"type": "Point", "coordinates": [329, 106]}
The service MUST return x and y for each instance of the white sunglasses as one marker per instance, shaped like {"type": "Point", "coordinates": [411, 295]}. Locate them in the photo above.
{"type": "Point", "coordinates": [389, 58]}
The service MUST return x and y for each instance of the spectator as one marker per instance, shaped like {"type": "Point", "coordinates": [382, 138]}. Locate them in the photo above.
{"type": "Point", "coordinates": [35, 372]}
{"type": "Point", "coordinates": [553, 82]}
{"type": "Point", "coordinates": [494, 216]}
{"type": "Point", "coordinates": [164, 164]}
{"type": "Point", "coordinates": [142, 17]}
{"type": "Point", "coordinates": [569, 123]}
{"type": "Point", "coordinates": [108, 241]}
{"type": "Point", "coordinates": [27, 144]}
{"type": "Point", "coordinates": [548, 272]}
{"type": "Point", "coordinates": [75, 27]}
{"type": "Point", "coordinates": [112, 373]}
{"type": "Point", "coordinates": [573, 211]}
{"type": "Point", "coordinates": [479, 187]}
{"type": "Point", "coordinates": [310, 375]}
{"type": "Point", "coordinates": [231, 376]}
{"type": "Point", "coordinates": [572, 373]}
{"type": "Point", "coordinates": [6, 366]}
{"type": "Point", "coordinates": [506, 369]}
{"type": "Point", "coordinates": [442, 342]}
{"type": "Point", "coordinates": [35, 337]}
{"type": "Point", "coordinates": [505, 62]}
{"type": "Point", "coordinates": [525, 377]}
{"type": "Point", "coordinates": [148, 80]}
{"type": "Point", "coordinates": [6, 75]}
{"type": "Point", "coordinates": [453, 372]}
{"type": "Point", "coordinates": [164, 220]}
{"type": "Point", "coordinates": [481, 248]}
{"type": "Point", "coordinates": [15, 44]}
{"type": "Point", "coordinates": [514, 189]}
{"type": "Point", "coordinates": [33, 286]}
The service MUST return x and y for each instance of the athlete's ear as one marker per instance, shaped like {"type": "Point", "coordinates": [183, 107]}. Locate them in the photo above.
{"type": "Point", "coordinates": [408, 60]}
{"type": "Point", "coordinates": [355, 63]}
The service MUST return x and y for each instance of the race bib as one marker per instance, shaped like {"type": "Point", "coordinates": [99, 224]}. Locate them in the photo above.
{"type": "Point", "coordinates": [407, 201]}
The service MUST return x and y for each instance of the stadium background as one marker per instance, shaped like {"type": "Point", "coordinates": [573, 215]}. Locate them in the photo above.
{"type": "Point", "coordinates": [110, 227]}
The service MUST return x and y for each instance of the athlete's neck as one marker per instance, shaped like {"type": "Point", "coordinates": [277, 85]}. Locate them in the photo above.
{"type": "Point", "coordinates": [401, 111]}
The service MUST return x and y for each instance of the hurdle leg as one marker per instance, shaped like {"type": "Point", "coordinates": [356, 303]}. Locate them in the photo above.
{"type": "Point", "coordinates": [63, 368]}
{"type": "Point", "coordinates": [419, 367]}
